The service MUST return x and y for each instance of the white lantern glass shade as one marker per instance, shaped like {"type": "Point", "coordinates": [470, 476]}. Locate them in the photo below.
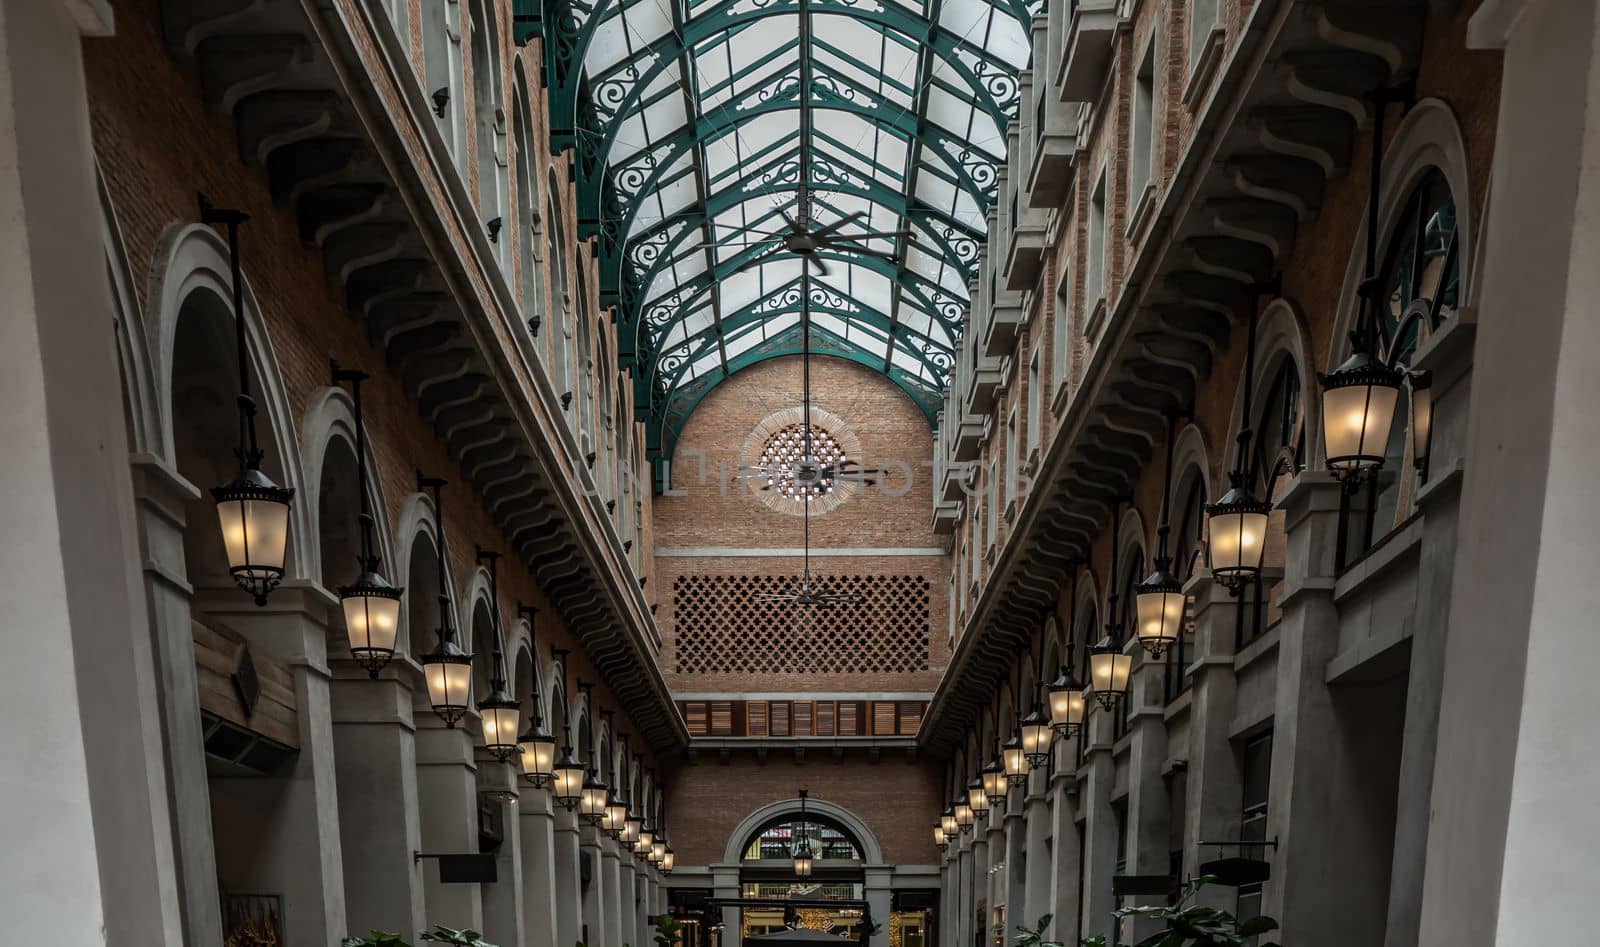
{"type": "Point", "coordinates": [448, 673]}
{"type": "Point", "coordinates": [977, 799]}
{"type": "Point", "coordinates": [964, 817]}
{"type": "Point", "coordinates": [1236, 537]}
{"type": "Point", "coordinates": [630, 831]}
{"type": "Point", "coordinates": [1358, 402]}
{"type": "Point", "coordinates": [616, 817]}
{"type": "Point", "coordinates": [538, 749]}
{"type": "Point", "coordinates": [647, 838]}
{"type": "Point", "coordinates": [1036, 739]}
{"type": "Point", "coordinates": [371, 620]}
{"type": "Point", "coordinates": [498, 715]}
{"type": "Point", "coordinates": [668, 860]}
{"type": "Point", "coordinates": [939, 839]}
{"type": "Point", "coordinates": [1014, 761]}
{"type": "Point", "coordinates": [1066, 704]}
{"type": "Point", "coordinates": [567, 783]}
{"type": "Point", "coordinates": [994, 782]}
{"type": "Point", "coordinates": [1109, 669]}
{"type": "Point", "coordinates": [947, 823]}
{"type": "Point", "coordinates": [1158, 611]}
{"type": "Point", "coordinates": [592, 800]}
{"type": "Point", "coordinates": [658, 851]}
{"type": "Point", "coordinates": [254, 515]}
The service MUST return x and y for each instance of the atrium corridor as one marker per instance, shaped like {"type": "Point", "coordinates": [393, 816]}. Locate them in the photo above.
{"type": "Point", "coordinates": [799, 473]}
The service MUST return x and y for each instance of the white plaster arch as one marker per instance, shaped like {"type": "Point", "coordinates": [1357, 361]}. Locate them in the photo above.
{"type": "Point", "coordinates": [1428, 137]}
{"type": "Point", "coordinates": [1131, 533]}
{"type": "Point", "coordinates": [142, 399]}
{"type": "Point", "coordinates": [418, 522]}
{"type": "Point", "coordinates": [519, 646]}
{"type": "Point", "coordinates": [871, 851]}
{"type": "Point", "coordinates": [1189, 451]}
{"type": "Point", "coordinates": [190, 258]}
{"type": "Point", "coordinates": [476, 590]}
{"type": "Point", "coordinates": [330, 414]}
{"type": "Point", "coordinates": [555, 693]}
{"type": "Point", "coordinates": [1281, 333]}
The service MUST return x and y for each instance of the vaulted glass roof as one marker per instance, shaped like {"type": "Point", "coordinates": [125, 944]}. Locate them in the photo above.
{"type": "Point", "coordinates": [723, 126]}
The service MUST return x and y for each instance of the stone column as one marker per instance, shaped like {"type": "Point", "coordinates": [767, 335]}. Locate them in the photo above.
{"type": "Point", "coordinates": [568, 887]}
{"type": "Point", "coordinates": [290, 819]}
{"type": "Point", "coordinates": [1065, 884]}
{"type": "Point", "coordinates": [1100, 839]}
{"type": "Point", "coordinates": [1039, 850]}
{"type": "Point", "coordinates": [163, 495]}
{"type": "Point", "coordinates": [947, 901]}
{"type": "Point", "coordinates": [447, 786]}
{"type": "Point", "coordinates": [643, 909]}
{"type": "Point", "coordinates": [966, 892]}
{"type": "Point", "coordinates": [88, 836]}
{"type": "Point", "coordinates": [1319, 742]}
{"type": "Point", "coordinates": [1149, 843]}
{"type": "Point", "coordinates": [611, 878]}
{"type": "Point", "coordinates": [632, 908]}
{"type": "Point", "coordinates": [540, 901]}
{"type": "Point", "coordinates": [988, 847]}
{"type": "Point", "coordinates": [725, 881]}
{"type": "Point", "coordinates": [594, 886]}
{"type": "Point", "coordinates": [502, 901]}
{"type": "Point", "coordinates": [1013, 881]}
{"type": "Point", "coordinates": [380, 829]}
{"type": "Point", "coordinates": [1213, 781]}
{"type": "Point", "coordinates": [1512, 841]}
{"type": "Point", "coordinates": [879, 903]}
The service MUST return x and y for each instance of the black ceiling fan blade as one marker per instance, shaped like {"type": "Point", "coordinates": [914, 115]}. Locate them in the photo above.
{"type": "Point", "coordinates": [841, 222]}
{"type": "Point", "coordinates": [822, 268]}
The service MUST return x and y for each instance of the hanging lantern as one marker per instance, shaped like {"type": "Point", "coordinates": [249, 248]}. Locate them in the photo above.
{"type": "Point", "coordinates": [1036, 738]}
{"type": "Point", "coordinates": [977, 799]}
{"type": "Point", "coordinates": [647, 838]}
{"type": "Point", "coordinates": [371, 605]}
{"type": "Point", "coordinates": [592, 799]}
{"type": "Point", "coordinates": [658, 851]}
{"type": "Point", "coordinates": [964, 817]}
{"type": "Point", "coordinates": [252, 510]}
{"type": "Point", "coordinates": [448, 672]}
{"type": "Point", "coordinates": [939, 839]}
{"type": "Point", "coordinates": [668, 861]}
{"type": "Point", "coordinates": [1158, 610]}
{"type": "Point", "coordinates": [1014, 760]}
{"type": "Point", "coordinates": [568, 780]}
{"type": "Point", "coordinates": [616, 819]}
{"type": "Point", "coordinates": [1358, 401]}
{"type": "Point", "coordinates": [630, 830]}
{"type": "Point", "coordinates": [947, 823]}
{"type": "Point", "coordinates": [499, 713]}
{"type": "Point", "coordinates": [254, 515]}
{"type": "Point", "coordinates": [993, 776]}
{"type": "Point", "coordinates": [538, 749]}
{"type": "Point", "coordinates": [801, 860]}
{"type": "Point", "coordinates": [1236, 537]}
{"type": "Point", "coordinates": [1066, 703]}
{"type": "Point", "coordinates": [1109, 669]}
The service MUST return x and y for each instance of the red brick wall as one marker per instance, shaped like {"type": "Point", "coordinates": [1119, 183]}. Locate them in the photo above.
{"type": "Point", "coordinates": [157, 144]}
{"type": "Point", "coordinates": [715, 510]}
{"type": "Point", "coordinates": [897, 798]}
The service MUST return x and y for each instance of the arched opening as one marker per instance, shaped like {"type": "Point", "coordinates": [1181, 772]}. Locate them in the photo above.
{"type": "Point", "coordinates": [439, 69]}
{"type": "Point", "coordinates": [560, 328]}
{"type": "Point", "coordinates": [488, 122]}
{"type": "Point", "coordinates": [244, 801]}
{"type": "Point", "coordinates": [530, 286]}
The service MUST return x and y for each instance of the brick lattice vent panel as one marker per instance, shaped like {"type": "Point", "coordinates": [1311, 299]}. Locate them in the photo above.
{"type": "Point", "coordinates": [725, 625]}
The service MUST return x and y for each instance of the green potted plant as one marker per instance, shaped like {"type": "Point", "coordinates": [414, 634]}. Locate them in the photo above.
{"type": "Point", "coordinates": [375, 939]}
{"type": "Point", "coordinates": [462, 938]}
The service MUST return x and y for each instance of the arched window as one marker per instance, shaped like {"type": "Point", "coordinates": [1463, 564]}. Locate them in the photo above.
{"type": "Point", "coordinates": [1417, 264]}
{"type": "Point", "coordinates": [528, 224]}
{"type": "Point", "coordinates": [1131, 573]}
{"type": "Point", "coordinates": [487, 123]}
{"type": "Point", "coordinates": [560, 326]}
{"type": "Point", "coordinates": [439, 72]}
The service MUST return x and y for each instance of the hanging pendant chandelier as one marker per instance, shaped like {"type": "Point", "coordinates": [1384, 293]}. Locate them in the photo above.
{"type": "Point", "coordinates": [993, 776]}
{"type": "Point", "coordinates": [1036, 738]}
{"type": "Point", "coordinates": [977, 799]}
{"type": "Point", "coordinates": [964, 816]}
{"type": "Point", "coordinates": [800, 851]}
{"type": "Point", "coordinates": [1236, 525]}
{"type": "Point", "coordinates": [592, 799]}
{"type": "Point", "coordinates": [1110, 668]}
{"type": "Point", "coordinates": [947, 822]}
{"type": "Point", "coordinates": [252, 510]}
{"type": "Point", "coordinates": [1014, 760]}
{"type": "Point", "coordinates": [371, 605]}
